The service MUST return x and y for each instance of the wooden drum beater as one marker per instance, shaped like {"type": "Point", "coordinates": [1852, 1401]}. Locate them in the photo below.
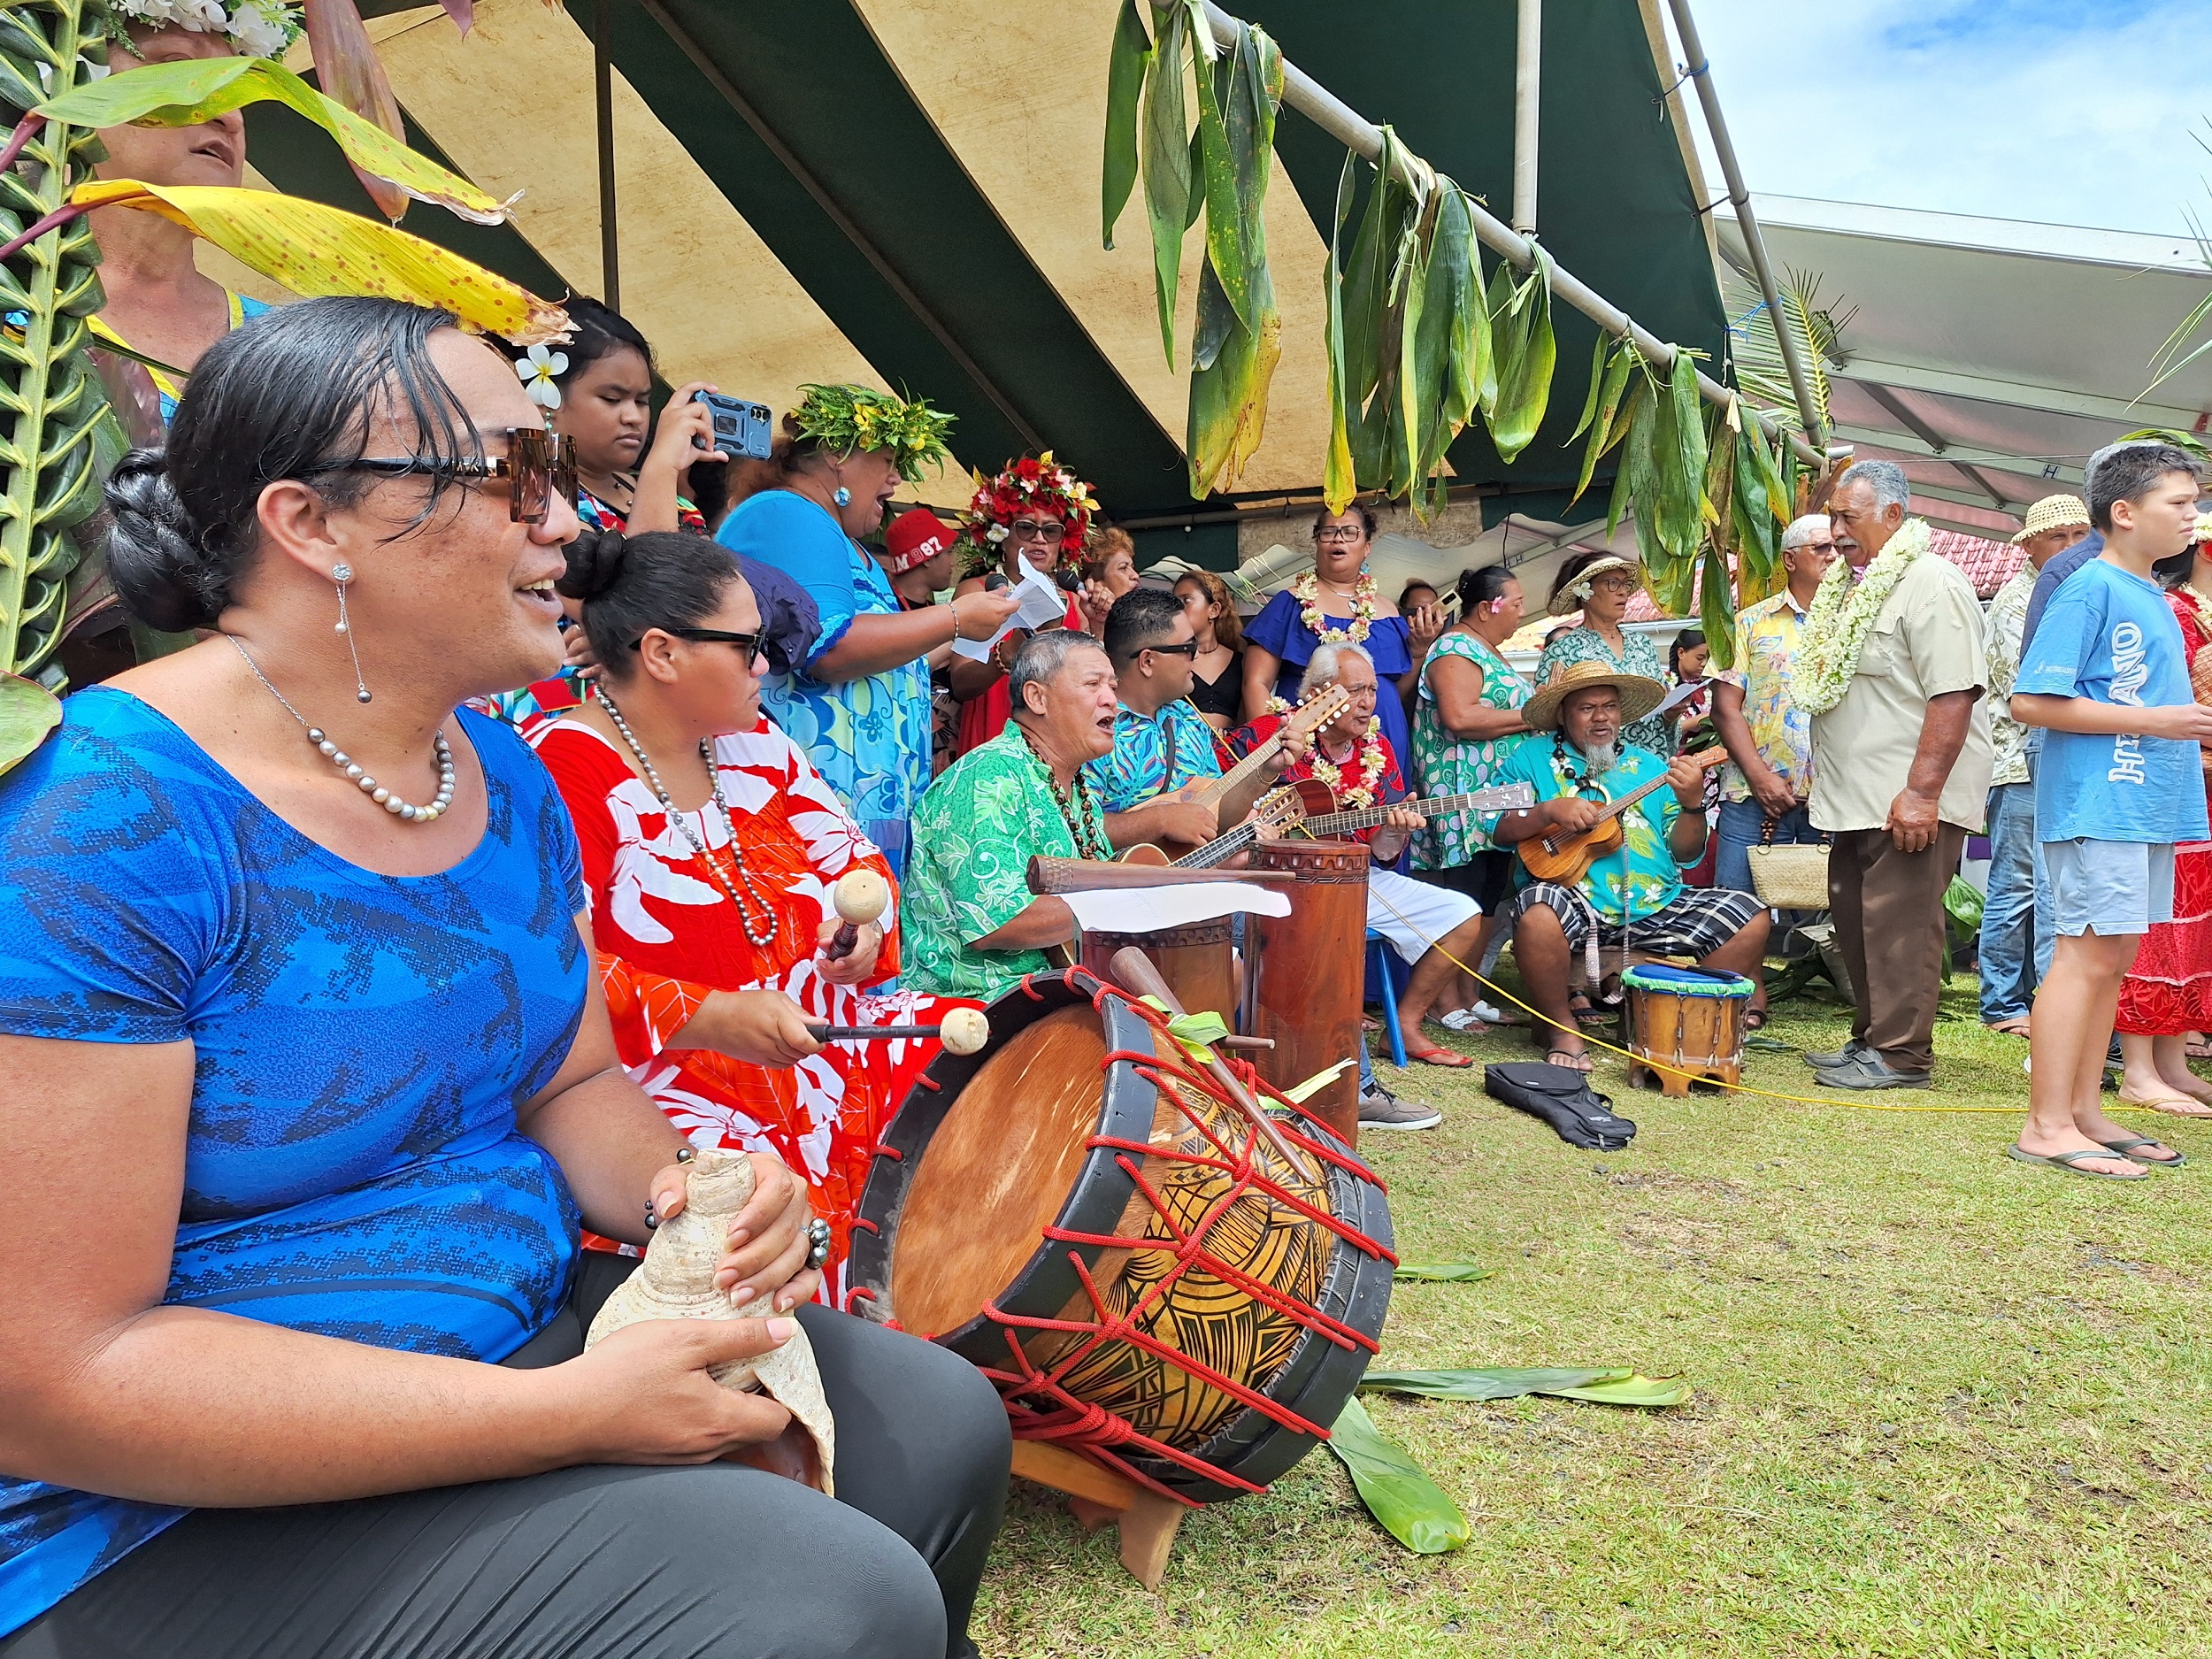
{"type": "Point", "coordinates": [861, 896]}
{"type": "Point", "coordinates": [963, 1031]}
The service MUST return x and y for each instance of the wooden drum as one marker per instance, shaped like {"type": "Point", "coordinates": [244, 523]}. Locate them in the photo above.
{"type": "Point", "coordinates": [1690, 1020]}
{"type": "Point", "coordinates": [1065, 1210]}
{"type": "Point", "coordinates": [1198, 963]}
{"type": "Point", "coordinates": [1304, 971]}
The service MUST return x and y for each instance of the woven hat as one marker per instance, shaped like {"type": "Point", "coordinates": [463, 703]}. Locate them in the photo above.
{"type": "Point", "coordinates": [1639, 696]}
{"type": "Point", "coordinates": [916, 537]}
{"type": "Point", "coordinates": [1571, 597]}
{"type": "Point", "coordinates": [2052, 512]}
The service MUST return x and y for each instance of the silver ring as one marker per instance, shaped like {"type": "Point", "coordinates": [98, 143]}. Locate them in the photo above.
{"type": "Point", "coordinates": [687, 1155]}
{"type": "Point", "coordinates": [817, 1241]}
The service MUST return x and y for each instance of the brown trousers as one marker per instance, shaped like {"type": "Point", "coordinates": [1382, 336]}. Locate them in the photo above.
{"type": "Point", "coordinates": [1888, 910]}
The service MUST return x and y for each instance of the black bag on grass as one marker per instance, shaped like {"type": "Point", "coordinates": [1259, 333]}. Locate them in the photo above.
{"type": "Point", "coordinates": [1561, 1097]}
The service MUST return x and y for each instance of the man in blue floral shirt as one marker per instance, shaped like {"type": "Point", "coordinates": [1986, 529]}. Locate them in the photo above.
{"type": "Point", "coordinates": [1635, 892]}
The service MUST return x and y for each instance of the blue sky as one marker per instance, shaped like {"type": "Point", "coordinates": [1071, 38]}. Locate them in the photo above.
{"type": "Point", "coordinates": [2059, 111]}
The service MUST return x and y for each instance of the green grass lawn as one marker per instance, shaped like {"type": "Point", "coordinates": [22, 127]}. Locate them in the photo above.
{"type": "Point", "coordinates": [1946, 1403]}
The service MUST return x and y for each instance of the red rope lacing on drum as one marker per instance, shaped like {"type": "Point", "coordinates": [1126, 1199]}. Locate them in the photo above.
{"type": "Point", "coordinates": [1041, 1406]}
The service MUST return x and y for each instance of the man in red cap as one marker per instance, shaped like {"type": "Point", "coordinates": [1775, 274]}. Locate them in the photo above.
{"type": "Point", "coordinates": [917, 556]}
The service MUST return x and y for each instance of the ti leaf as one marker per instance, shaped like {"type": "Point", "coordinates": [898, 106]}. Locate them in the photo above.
{"type": "Point", "coordinates": [1526, 354]}
{"type": "Point", "coordinates": [189, 91]}
{"type": "Point", "coordinates": [1455, 1272]}
{"type": "Point", "coordinates": [1605, 1385]}
{"type": "Point", "coordinates": [1124, 81]}
{"type": "Point", "coordinates": [352, 75]}
{"type": "Point", "coordinates": [1338, 483]}
{"type": "Point", "coordinates": [1165, 134]}
{"type": "Point", "coordinates": [1413, 1508]}
{"type": "Point", "coordinates": [1606, 416]}
{"type": "Point", "coordinates": [28, 712]}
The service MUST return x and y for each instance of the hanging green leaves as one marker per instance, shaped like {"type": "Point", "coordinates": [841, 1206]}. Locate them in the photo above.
{"type": "Point", "coordinates": [1606, 413]}
{"type": "Point", "coordinates": [1412, 1507]}
{"type": "Point", "coordinates": [1125, 82]}
{"type": "Point", "coordinates": [1520, 315]}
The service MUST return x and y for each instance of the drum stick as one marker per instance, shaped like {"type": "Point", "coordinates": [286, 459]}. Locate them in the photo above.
{"type": "Point", "coordinates": [965, 1031]}
{"type": "Point", "coordinates": [1133, 972]}
{"type": "Point", "coordinates": [1087, 875]}
{"type": "Point", "coordinates": [860, 896]}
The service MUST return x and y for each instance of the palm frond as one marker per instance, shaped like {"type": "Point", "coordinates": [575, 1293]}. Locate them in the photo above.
{"type": "Point", "coordinates": [1813, 324]}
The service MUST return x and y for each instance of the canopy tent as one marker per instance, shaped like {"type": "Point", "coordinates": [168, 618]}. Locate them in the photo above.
{"type": "Point", "coordinates": [1990, 357]}
{"type": "Point", "coordinates": [906, 194]}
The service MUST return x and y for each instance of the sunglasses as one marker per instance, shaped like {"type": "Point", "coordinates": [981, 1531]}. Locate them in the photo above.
{"type": "Point", "coordinates": [1815, 547]}
{"type": "Point", "coordinates": [1188, 647]}
{"type": "Point", "coordinates": [1039, 529]}
{"type": "Point", "coordinates": [538, 467]}
{"type": "Point", "coordinates": [751, 644]}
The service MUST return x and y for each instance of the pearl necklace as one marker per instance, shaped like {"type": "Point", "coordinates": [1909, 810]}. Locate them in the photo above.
{"type": "Point", "coordinates": [352, 768]}
{"type": "Point", "coordinates": [762, 933]}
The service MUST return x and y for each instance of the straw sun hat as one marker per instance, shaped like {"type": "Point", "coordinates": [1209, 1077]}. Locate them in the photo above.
{"type": "Point", "coordinates": [1639, 696]}
{"type": "Point", "coordinates": [2052, 512]}
{"type": "Point", "coordinates": [1573, 596]}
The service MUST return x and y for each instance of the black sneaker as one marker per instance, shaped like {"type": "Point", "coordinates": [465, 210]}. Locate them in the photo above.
{"type": "Point", "coordinates": [1851, 1050]}
{"type": "Point", "coordinates": [1379, 1109]}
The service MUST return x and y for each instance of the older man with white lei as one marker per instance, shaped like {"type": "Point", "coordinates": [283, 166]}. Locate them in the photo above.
{"type": "Point", "coordinates": [1892, 671]}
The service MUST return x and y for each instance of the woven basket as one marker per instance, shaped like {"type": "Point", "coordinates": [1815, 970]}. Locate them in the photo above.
{"type": "Point", "coordinates": [1792, 878]}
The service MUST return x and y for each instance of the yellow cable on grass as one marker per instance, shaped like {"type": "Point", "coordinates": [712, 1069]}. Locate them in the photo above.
{"type": "Point", "coordinates": [1740, 1088]}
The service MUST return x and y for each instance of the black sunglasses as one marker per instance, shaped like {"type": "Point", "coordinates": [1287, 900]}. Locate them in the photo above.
{"type": "Point", "coordinates": [1188, 647]}
{"type": "Point", "coordinates": [538, 466]}
{"type": "Point", "coordinates": [748, 643]}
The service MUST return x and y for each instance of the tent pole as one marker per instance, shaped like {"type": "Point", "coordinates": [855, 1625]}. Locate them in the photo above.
{"type": "Point", "coordinates": [1355, 133]}
{"type": "Point", "coordinates": [610, 233]}
{"type": "Point", "coordinates": [1528, 82]}
{"type": "Point", "coordinates": [1701, 70]}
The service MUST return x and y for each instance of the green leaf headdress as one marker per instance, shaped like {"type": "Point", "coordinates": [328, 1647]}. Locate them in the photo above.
{"type": "Point", "coordinates": [843, 419]}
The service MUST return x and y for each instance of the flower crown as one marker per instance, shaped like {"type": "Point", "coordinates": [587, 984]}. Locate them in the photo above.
{"type": "Point", "coordinates": [844, 418]}
{"type": "Point", "coordinates": [1026, 486]}
{"type": "Point", "coordinates": [255, 28]}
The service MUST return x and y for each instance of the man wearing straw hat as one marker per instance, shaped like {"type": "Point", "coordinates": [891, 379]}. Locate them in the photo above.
{"type": "Point", "coordinates": [2016, 943]}
{"type": "Point", "coordinates": [1635, 891]}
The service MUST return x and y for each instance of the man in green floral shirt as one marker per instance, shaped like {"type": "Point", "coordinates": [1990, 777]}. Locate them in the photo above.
{"type": "Point", "coordinates": [1635, 892]}
{"type": "Point", "coordinates": [971, 926]}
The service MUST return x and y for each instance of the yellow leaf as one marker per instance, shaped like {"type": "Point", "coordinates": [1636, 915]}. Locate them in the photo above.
{"type": "Point", "coordinates": [316, 250]}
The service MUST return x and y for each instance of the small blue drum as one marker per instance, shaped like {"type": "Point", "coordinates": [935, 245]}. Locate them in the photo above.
{"type": "Point", "coordinates": [1686, 1024]}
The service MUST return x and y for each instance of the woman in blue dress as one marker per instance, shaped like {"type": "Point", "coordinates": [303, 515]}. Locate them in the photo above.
{"type": "Point", "coordinates": [310, 1088]}
{"type": "Point", "coordinates": [1336, 603]}
{"type": "Point", "coordinates": [859, 706]}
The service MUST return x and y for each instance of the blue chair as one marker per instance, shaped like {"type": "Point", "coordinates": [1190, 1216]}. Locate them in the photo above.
{"type": "Point", "coordinates": [1380, 969]}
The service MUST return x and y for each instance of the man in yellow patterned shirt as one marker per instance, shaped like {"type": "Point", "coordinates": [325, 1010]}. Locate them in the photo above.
{"type": "Point", "coordinates": [1769, 737]}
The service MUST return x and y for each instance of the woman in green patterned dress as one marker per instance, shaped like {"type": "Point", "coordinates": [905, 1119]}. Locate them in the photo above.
{"type": "Point", "coordinates": [1601, 584]}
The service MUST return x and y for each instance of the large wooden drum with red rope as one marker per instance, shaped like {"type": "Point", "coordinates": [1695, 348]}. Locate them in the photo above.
{"type": "Point", "coordinates": [1097, 1224]}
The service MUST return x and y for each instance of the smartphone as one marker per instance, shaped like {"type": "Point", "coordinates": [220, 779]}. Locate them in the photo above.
{"type": "Point", "coordinates": [741, 430]}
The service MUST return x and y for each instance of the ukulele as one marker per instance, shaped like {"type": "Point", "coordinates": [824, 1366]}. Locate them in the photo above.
{"type": "Point", "coordinates": [1307, 718]}
{"type": "Point", "coordinates": [1308, 806]}
{"type": "Point", "coordinates": [1565, 856]}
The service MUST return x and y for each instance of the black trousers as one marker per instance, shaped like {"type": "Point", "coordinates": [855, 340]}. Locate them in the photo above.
{"type": "Point", "coordinates": [596, 1562]}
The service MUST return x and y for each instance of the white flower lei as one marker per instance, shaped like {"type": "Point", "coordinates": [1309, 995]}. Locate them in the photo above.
{"type": "Point", "coordinates": [1372, 762]}
{"type": "Point", "coordinates": [255, 28]}
{"type": "Point", "coordinates": [1307, 591]}
{"type": "Point", "coordinates": [1842, 614]}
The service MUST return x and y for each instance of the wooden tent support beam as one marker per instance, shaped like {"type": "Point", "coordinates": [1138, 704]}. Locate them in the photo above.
{"type": "Point", "coordinates": [1361, 135]}
{"type": "Point", "coordinates": [1096, 1496]}
{"type": "Point", "coordinates": [610, 232]}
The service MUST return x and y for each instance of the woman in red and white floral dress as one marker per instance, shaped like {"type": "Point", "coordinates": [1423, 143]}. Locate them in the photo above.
{"type": "Point", "coordinates": [710, 890]}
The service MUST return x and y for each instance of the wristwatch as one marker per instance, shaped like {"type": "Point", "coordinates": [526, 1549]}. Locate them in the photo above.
{"type": "Point", "coordinates": [817, 1241]}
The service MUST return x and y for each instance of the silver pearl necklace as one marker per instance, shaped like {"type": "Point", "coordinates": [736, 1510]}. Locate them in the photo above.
{"type": "Point", "coordinates": [352, 768]}
{"type": "Point", "coordinates": [760, 933]}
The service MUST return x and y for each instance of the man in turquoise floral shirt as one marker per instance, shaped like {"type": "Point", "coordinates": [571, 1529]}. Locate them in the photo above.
{"type": "Point", "coordinates": [1635, 892]}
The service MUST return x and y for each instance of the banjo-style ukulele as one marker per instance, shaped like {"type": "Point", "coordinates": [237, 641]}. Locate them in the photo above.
{"type": "Point", "coordinates": [1565, 856]}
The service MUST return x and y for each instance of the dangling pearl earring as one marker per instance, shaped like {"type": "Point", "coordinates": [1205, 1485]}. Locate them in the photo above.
{"type": "Point", "coordinates": [842, 496]}
{"type": "Point", "coordinates": [341, 574]}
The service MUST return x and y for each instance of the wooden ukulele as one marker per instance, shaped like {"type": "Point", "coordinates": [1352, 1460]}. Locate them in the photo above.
{"type": "Point", "coordinates": [1565, 856]}
{"type": "Point", "coordinates": [1308, 805]}
{"type": "Point", "coordinates": [1307, 718]}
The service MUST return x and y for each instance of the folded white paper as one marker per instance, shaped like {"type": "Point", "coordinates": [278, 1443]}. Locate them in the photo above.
{"type": "Point", "coordinates": [1147, 909]}
{"type": "Point", "coordinates": [1041, 606]}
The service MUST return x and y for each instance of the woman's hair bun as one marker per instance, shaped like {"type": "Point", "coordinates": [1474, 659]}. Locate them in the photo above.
{"type": "Point", "coordinates": [154, 554]}
{"type": "Point", "coordinates": [595, 564]}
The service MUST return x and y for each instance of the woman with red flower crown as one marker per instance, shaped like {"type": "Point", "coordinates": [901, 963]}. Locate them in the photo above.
{"type": "Point", "coordinates": [1035, 511]}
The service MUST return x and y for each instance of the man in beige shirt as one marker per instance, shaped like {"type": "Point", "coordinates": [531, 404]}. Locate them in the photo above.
{"type": "Point", "coordinates": [1901, 774]}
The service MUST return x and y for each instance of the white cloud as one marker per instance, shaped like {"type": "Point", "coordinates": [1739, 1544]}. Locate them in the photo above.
{"type": "Point", "coordinates": [2063, 112]}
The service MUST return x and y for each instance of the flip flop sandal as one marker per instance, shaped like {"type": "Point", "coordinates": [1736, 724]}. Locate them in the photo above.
{"type": "Point", "coordinates": [2173, 1106]}
{"type": "Point", "coordinates": [2069, 1164]}
{"type": "Point", "coordinates": [2200, 1051]}
{"type": "Point", "coordinates": [1571, 1059]}
{"type": "Point", "coordinates": [2009, 1028]}
{"type": "Point", "coordinates": [1754, 1020]}
{"type": "Point", "coordinates": [2126, 1148]}
{"type": "Point", "coordinates": [1443, 1058]}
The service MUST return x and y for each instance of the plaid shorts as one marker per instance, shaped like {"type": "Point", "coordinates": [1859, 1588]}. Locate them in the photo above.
{"type": "Point", "coordinates": [1699, 921]}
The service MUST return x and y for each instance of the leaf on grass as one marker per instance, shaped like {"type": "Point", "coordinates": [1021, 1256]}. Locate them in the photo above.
{"type": "Point", "coordinates": [1653, 1392]}
{"type": "Point", "coordinates": [193, 90]}
{"type": "Point", "coordinates": [1413, 1508]}
{"type": "Point", "coordinates": [1124, 81]}
{"type": "Point", "coordinates": [1616, 1386]}
{"type": "Point", "coordinates": [1455, 1272]}
{"type": "Point", "coordinates": [316, 250]}
{"type": "Point", "coordinates": [28, 712]}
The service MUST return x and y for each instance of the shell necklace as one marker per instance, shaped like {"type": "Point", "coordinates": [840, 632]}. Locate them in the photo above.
{"type": "Point", "coordinates": [346, 763]}
{"type": "Point", "coordinates": [761, 933]}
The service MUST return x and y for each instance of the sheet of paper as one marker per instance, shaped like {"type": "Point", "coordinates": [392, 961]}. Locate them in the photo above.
{"type": "Point", "coordinates": [1146, 909]}
{"type": "Point", "coordinates": [1680, 695]}
{"type": "Point", "coordinates": [1043, 606]}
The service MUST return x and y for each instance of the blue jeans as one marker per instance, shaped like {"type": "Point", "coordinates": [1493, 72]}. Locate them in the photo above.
{"type": "Point", "coordinates": [2017, 928]}
{"type": "Point", "coordinates": [1740, 826]}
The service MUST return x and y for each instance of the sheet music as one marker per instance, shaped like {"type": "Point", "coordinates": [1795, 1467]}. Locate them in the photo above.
{"type": "Point", "coordinates": [1042, 604]}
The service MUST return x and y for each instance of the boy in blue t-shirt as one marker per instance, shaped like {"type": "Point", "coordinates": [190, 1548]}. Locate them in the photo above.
{"type": "Point", "coordinates": [2121, 780]}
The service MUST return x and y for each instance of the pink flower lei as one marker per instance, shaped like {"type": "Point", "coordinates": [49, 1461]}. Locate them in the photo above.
{"type": "Point", "coordinates": [1372, 762]}
{"type": "Point", "coordinates": [1307, 591]}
